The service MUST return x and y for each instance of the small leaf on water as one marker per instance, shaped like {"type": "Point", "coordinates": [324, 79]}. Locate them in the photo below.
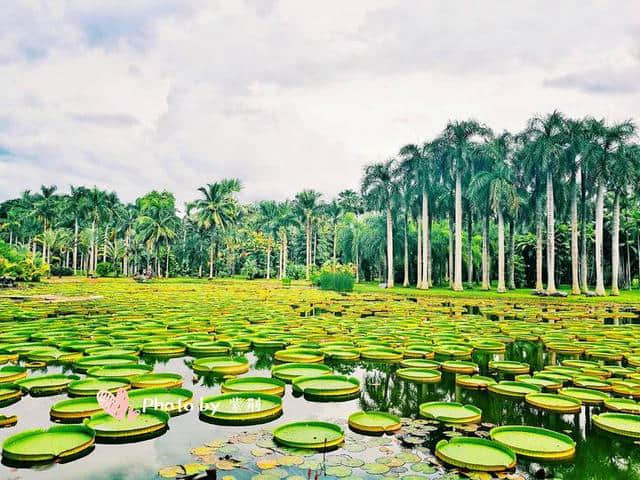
{"type": "Point", "coordinates": [171, 472]}
{"type": "Point", "coordinates": [260, 452]}
{"type": "Point", "coordinates": [266, 464]}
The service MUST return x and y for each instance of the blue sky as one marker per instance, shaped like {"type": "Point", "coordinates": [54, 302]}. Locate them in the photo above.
{"type": "Point", "coordinates": [286, 95]}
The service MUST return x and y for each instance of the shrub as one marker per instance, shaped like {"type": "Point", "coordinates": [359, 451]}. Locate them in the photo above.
{"type": "Point", "coordinates": [286, 281]}
{"type": "Point", "coordinates": [104, 269]}
{"type": "Point", "coordinates": [61, 271]}
{"type": "Point", "coordinates": [295, 271]}
{"type": "Point", "coordinates": [20, 265]}
{"type": "Point", "coordinates": [334, 277]}
{"type": "Point", "coordinates": [250, 269]}
{"type": "Point", "coordinates": [339, 281]}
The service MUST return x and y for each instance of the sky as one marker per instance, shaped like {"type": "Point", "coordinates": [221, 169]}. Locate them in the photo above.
{"type": "Point", "coordinates": [287, 94]}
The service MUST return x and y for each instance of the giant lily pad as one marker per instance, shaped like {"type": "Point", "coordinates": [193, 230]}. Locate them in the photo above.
{"type": "Point", "coordinates": [315, 435]}
{"type": "Point", "coordinates": [535, 442]}
{"type": "Point", "coordinates": [56, 443]}
{"type": "Point", "coordinates": [476, 454]}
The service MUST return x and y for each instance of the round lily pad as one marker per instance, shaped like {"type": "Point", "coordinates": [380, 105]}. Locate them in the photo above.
{"type": "Point", "coordinates": [272, 386]}
{"type": "Point", "coordinates": [506, 366]}
{"type": "Point", "coordinates": [9, 393]}
{"type": "Point", "coordinates": [622, 405]}
{"type": "Point", "coordinates": [86, 363]}
{"type": "Point", "coordinates": [475, 454]}
{"type": "Point", "coordinates": [12, 373]}
{"type": "Point", "coordinates": [145, 423]}
{"type": "Point", "coordinates": [326, 386]}
{"type": "Point", "coordinates": [243, 408]}
{"type": "Point", "coordinates": [585, 395]}
{"type": "Point", "coordinates": [46, 384]}
{"type": "Point", "coordinates": [288, 371]}
{"type": "Point", "coordinates": [221, 365]}
{"type": "Point", "coordinates": [90, 386]}
{"type": "Point", "coordinates": [451, 412]}
{"type": "Point", "coordinates": [75, 409]}
{"type": "Point", "coordinates": [117, 371]}
{"type": "Point", "coordinates": [420, 363]}
{"type": "Point", "coordinates": [158, 380]}
{"type": "Point", "coordinates": [474, 382]}
{"type": "Point", "coordinates": [45, 446]}
{"type": "Point", "coordinates": [513, 388]}
{"type": "Point", "coordinates": [381, 353]}
{"type": "Point", "coordinates": [299, 355]}
{"type": "Point", "coordinates": [624, 424]}
{"type": "Point", "coordinates": [315, 435]}
{"type": "Point", "coordinates": [459, 366]}
{"type": "Point", "coordinates": [374, 422]}
{"type": "Point", "coordinates": [535, 442]}
{"type": "Point", "coordinates": [554, 403]}
{"type": "Point", "coordinates": [419, 375]}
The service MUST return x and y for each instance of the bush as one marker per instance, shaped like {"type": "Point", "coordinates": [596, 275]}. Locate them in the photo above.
{"type": "Point", "coordinates": [334, 277]}
{"type": "Point", "coordinates": [61, 271]}
{"type": "Point", "coordinates": [250, 269]}
{"type": "Point", "coordinates": [104, 269]}
{"type": "Point", "coordinates": [286, 281]}
{"type": "Point", "coordinates": [340, 281]}
{"type": "Point", "coordinates": [296, 272]}
{"type": "Point", "coordinates": [20, 264]}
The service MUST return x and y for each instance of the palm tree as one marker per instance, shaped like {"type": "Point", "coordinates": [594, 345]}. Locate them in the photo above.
{"type": "Point", "coordinates": [307, 206]}
{"type": "Point", "coordinates": [126, 218]}
{"type": "Point", "coordinates": [96, 210]}
{"type": "Point", "coordinates": [77, 204]}
{"type": "Point", "coordinates": [624, 172]}
{"type": "Point", "coordinates": [157, 224]}
{"type": "Point", "coordinates": [546, 144]}
{"type": "Point", "coordinates": [603, 152]}
{"type": "Point", "coordinates": [217, 210]}
{"type": "Point", "coordinates": [334, 211]}
{"type": "Point", "coordinates": [379, 189]}
{"type": "Point", "coordinates": [498, 183]}
{"type": "Point", "coordinates": [458, 136]}
{"type": "Point", "coordinates": [268, 224]}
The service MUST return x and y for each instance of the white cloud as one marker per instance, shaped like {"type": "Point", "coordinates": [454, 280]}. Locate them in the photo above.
{"type": "Point", "coordinates": [285, 94]}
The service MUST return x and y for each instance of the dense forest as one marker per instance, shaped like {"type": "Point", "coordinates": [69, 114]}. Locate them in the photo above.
{"type": "Point", "coordinates": [554, 204]}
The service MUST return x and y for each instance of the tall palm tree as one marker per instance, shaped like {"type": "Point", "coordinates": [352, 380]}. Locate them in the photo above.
{"type": "Point", "coordinates": [546, 145]}
{"type": "Point", "coordinates": [307, 206]}
{"type": "Point", "coordinates": [217, 210]}
{"type": "Point", "coordinates": [603, 152]}
{"type": "Point", "coordinates": [379, 189]}
{"type": "Point", "coordinates": [334, 211]}
{"type": "Point", "coordinates": [155, 225]}
{"type": "Point", "coordinates": [77, 204]}
{"type": "Point", "coordinates": [459, 137]}
{"type": "Point", "coordinates": [624, 172]}
{"type": "Point", "coordinates": [268, 224]}
{"type": "Point", "coordinates": [498, 183]}
{"type": "Point", "coordinates": [96, 210]}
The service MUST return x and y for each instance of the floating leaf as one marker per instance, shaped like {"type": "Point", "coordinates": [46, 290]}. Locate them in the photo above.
{"type": "Point", "coordinates": [225, 465]}
{"type": "Point", "coordinates": [423, 468]}
{"type": "Point", "coordinates": [375, 468]}
{"type": "Point", "coordinates": [339, 471]}
{"type": "Point", "coordinates": [267, 463]}
{"type": "Point", "coordinates": [171, 472]}
{"type": "Point", "coordinates": [289, 460]}
{"type": "Point", "coordinates": [260, 452]}
{"type": "Point", "coordinates": [352, 462]}
{"type": "Point", "coordinates": [228, 450]}
{"type": "Point", "coordinates": [193, 468]}
{"type": "Point", "coordinates": [202, 451]}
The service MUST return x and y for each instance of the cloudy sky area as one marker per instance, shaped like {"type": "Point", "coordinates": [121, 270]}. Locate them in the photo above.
{"type": "Point", "coordinates": [286, 94]}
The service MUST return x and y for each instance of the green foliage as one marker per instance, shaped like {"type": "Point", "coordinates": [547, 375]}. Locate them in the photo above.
{"type": "Point", "coordinates": [250, 269]}
{"type": "Point", "coordinates": [335, 277]}
{"type": "Point", "coordinates": [295, 271]}
{"type": "Point", "coordinates": [57, 271]}
{"type": "Point", "coordinates": [20, 265]}
{"type": "Point", "coordinates": [104, 269]}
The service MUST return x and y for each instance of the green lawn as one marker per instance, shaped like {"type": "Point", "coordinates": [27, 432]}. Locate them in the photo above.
{"type": "Point", "coordinates": [521, 294]}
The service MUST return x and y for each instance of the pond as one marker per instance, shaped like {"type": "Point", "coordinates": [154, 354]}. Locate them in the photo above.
{"type": "Point", "coordinates": [237, 311]}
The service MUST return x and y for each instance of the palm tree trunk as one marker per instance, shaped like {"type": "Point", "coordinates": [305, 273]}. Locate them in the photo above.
{"type": "Point", "coordinates": [284, 256]}
{"type": "Point", "coordinates": [511, 260]}
{"type": "Point", "coordinates": [166, 270]}
{"type": "Point", "coordinates": [308, 245]}
{"type": "Point", "coordinates": [501, 285]}
{"type": "Point", "coordinates": [75, 245]}
{"type": "Point", "coordinates": [357, 257]}
{"type": "Point", "coordinates": [551, 246]}
{"type": "Point", "coordinates": [125, 260]}
{"type": "Point", "coordinates": [426, 244]}
{"type": "Point", "coordinates": [615, 246]}
{"type": "Point", "coordinates": [405, 282]}
{"type": "Point", "coordinates": [457, 257]}
{"type": "Point", "coordinates": [390, 270]}
{"type": "Point", "coordinates": [470, 249]}
{"type": "Point", "coordinates": [419, 256]}
{"type": "Point", "coordinates": [628, 248]}
{"type": "Point", "coordinates": [450, 265]}
{"type": "Point", "coordinates": [211, 258]}
{"type": "Point", "coordinates": [104, 244]}
{"type": "Point", "coordinates": [280, 260]}
{"type": "Point", "coordinates": [485, 254]}
{"type": "Point", "coordinates": [539, 246]}
{"type": "Point", "coordinates": [575, 283]}
{"type": "Point", "coordinates": [335, 244]}
{"type": "Point", "coordinates": [268, 263]}
{"type": "Point", "coordinates": [429, 254]}
{"type": "Point", "coordinates": [599, 224]}
{"type": "Point", "coordinates": [92, 246]}
{"type": "Point", "coordinates": [583, 232]}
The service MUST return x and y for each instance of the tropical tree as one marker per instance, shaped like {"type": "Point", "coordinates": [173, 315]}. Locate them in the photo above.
{"type": "Point", "coordinates": [379, 190]}
{"type": "Point", "coordinates": [216, 210]}
{"type": "Point", "coordinates": [458, 137]}
{"type": "Point", "coordinates": [307, 206]}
